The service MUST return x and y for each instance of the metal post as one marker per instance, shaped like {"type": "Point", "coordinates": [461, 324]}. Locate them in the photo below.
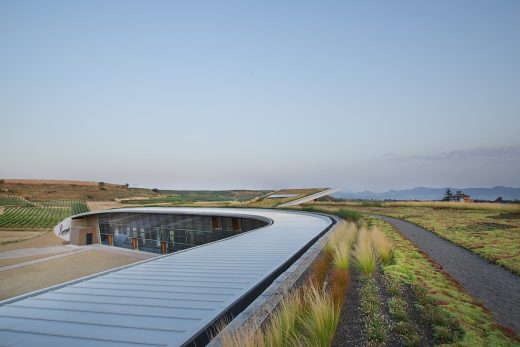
{"type": "Point", "coordinates": [164, 247]}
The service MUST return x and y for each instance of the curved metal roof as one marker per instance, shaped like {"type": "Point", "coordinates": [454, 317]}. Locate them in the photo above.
{"type": "Point", "coordinates": [310, 197]}
{"type": "Point", "coordinates": [166, 301]}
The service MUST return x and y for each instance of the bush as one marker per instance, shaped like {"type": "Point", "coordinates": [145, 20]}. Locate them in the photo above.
{"type": "Point", "coordinates": [321, 319]}
{"type": "Point", "coordinates": [382, 245]}
{"type": "Point", "coordinates": [349, 215]}
{"type": "Point", "coordinates": [282, 329]}
{"type": "Point", "coordinates": [364, 254]}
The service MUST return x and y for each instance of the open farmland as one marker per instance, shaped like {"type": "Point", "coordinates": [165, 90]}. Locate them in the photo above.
{"type": "Point", "coordinates": [184, 197]}
{"type": "Point", "coordinates": [490, 230]}
{"type": "Point", "coordinates": [41, 190]}
{"type": "Point", "coordinates": [45, 214]}
{"type": "Point", "coordinates": [13, 200]}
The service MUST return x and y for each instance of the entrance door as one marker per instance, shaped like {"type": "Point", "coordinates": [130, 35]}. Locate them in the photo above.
{"type": "Point", "coordinates": [89, 238]}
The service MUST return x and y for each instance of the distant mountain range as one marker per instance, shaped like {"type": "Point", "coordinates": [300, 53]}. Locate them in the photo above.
{"type": "Point", "coordinates": [424, 193]}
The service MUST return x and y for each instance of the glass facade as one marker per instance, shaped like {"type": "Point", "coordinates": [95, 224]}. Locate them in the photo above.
{"type": "Point", "coordinates": [151, 231]}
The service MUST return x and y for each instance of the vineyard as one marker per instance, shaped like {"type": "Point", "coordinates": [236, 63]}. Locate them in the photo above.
{"type": "Point", "coordinates": [14, 200]}
{"type": "Point", "coordinates": [45, 214]}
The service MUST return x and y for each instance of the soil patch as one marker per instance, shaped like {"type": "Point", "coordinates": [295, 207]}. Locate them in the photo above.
{"type": "Point", "coordinates": [350, 327]}
{"type": "Point", "coordinates": [18, 260]}
{"type": "Point", "coordinates": [15, 236]}
{"type": "Point", "coordinates": [103, 205]}
{"type": "Point", "coordinates": [42, 275]}
{"type": "Point", "coordinates": [29, 240]}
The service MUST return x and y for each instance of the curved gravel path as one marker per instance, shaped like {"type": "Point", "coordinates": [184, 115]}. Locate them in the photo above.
{"type": "Point", "coordinates": [497, 288]}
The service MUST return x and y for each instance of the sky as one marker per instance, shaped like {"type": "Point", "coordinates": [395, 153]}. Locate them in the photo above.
{"type": "Point", "coordinates": [360, 95]}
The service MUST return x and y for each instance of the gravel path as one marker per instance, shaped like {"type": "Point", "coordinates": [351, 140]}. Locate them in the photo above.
{"type": "Point", "coordinates": [497, 288]}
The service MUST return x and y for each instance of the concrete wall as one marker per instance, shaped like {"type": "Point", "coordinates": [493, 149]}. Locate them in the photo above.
{"type": "Point", "coordinates": [83, 226]}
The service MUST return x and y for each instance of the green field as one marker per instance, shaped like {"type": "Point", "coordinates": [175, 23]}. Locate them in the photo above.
{"type": "Point", "coordinates": [13, 200]}
{"type": "Point", "coordinates": [178, 197]}
{"type": "Point", "coordinates": [490, 230]}
{"type": "Point", "coordinates": [45, 214]}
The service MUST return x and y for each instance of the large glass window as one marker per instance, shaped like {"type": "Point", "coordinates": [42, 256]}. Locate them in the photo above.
{"type": "Point", "coordinates": [178, 231]}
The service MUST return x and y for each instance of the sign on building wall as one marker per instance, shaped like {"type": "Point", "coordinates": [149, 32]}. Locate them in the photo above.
{"type": "Point", "coordinates": [62, 230]}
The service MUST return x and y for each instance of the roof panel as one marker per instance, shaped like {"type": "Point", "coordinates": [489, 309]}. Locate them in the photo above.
{"type": "Point", "coordinates": [167, 300]}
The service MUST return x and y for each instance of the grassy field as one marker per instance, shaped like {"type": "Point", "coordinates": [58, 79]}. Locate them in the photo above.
{"type": "Point", "coordinates": [183, 197]}
{"type": "Point", "coordinates": [452, 312]}
{"type": "Point", "coordinates": [490, 230]}
{"type": "Point", "coordinates": [69, 190]}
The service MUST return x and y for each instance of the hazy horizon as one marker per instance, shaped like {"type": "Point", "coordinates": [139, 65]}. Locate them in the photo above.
{"type": "Point", "coordinates": [361, 96]}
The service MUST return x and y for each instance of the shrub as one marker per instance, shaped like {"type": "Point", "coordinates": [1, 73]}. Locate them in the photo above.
{"type": "Point", "coordinates": [364, 254]}
{"type": "Point", "coordinates": [349, 215]}
{"type": "Point", "coordinates": [282, 329]}
{"type": "Point", "coordinates": [344, 234]}
{"type": "Point", "coordinates": [339, 281]}
{"type": "Point", "coordinates": [340, 256]}
{"type": "Point", "coordinates": [319, 269]}
{"type": "Point", "coordinates": [382, 245]}
{"type": "Point", "coordinates": [321, 319]}
{"type": "Point", "coordinates": [397, 307]}
{"type": "Point", "coordinates": [243, 337]}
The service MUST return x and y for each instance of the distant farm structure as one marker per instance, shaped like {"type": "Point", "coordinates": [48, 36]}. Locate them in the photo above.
{"type": "Point", "coordinates": [459, 196]}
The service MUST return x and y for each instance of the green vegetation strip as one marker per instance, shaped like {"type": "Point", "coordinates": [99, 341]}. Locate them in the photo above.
{"type": "Point", "coordinates": [454, 314]}
{"type": "Point", "coordinates": [13, 200]}
{"type": "Point", "coordinates": [45, 215]}
{"type": "Point", "coordinates": [490, 230]}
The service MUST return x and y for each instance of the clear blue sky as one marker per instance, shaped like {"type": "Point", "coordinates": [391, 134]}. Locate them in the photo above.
{"type": "Point", "coordinates": [355, 94]}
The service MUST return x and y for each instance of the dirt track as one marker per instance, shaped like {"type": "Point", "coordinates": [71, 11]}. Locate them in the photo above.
{"type": "Point", "coordinates": [497, 288]}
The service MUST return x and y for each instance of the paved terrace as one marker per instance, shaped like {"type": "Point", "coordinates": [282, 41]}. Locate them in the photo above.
{"type": "Point", "coordinates": [167, 301]}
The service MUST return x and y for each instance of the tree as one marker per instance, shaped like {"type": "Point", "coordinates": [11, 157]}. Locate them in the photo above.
{"type": "Point", "coordinates": [101, 184]}
{"type": "Point", "coordinates": [127, 185]}
{"type": "Point", "coordinates": [155, 190]}
{"type": "Point", "coordinates": [447, 195]}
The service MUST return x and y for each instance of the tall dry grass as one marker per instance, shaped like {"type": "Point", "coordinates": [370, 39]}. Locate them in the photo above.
{"type": "Point", "coordinates": [283, 326]}
{"type": "Point", "coordinates": [364, 254]}
{"type": "Point", "coordinates": [456, 205]}
{"type": "Point", "coordinates": [344, 233]}
{"type": "Point", "coordinates": [340, 242]}
{"type": "Point", "coordinates": [309, 317]}
{"type": "Point", "coordinates": [321, 318]}
{"type": "Point", "coordinates": [302, 320]}
{"type": "Point", "coordinates": [280, 331]}
{"type": "Point", "coordinates": [382, 245]}
{"type": "Point", "coordinates": [246, 336]}
{"type": "Point", "coordinates": [493, 206]}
